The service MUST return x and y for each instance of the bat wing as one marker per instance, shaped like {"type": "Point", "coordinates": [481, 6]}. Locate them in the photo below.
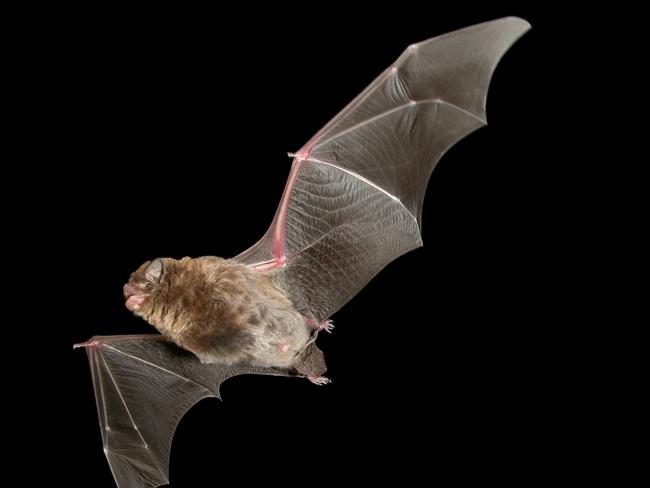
{"type": "Point", "coordinates": [354, 196]}
{"type": "Point", "coordinates": [143, 387]}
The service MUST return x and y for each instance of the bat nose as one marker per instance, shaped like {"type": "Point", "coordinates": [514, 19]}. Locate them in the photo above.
{"type": "Point", "coordinates": [129, 290]}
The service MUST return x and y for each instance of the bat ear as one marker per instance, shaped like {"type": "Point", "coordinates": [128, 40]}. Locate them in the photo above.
{"type": "Point", "coordinates": [154, 271]}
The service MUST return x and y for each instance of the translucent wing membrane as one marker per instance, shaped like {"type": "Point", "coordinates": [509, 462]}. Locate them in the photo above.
{"type": "Point", "coordinates": [353, 200]}
{"type": "Point", "coordinates": [143, 387]}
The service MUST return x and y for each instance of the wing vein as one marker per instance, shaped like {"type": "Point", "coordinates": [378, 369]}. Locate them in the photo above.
{"type": "Point", "coordinates": [128, 411]}
{"type": "Point", "coordinates": [103, 416]}
{"type": "Point", "coordinates": [350, 107]}
{"type": "Point", "coordinates": [158, 367]}
{"type": "Point", "coordinates": [392, 111]}
{"type": "Point", "coordinates": [365, 180]}
{"type": "Point", "coordinates": [321, 238]}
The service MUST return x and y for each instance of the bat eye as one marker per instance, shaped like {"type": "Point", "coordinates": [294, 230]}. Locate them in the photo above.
{"type": "Point", "coordinates": [148, 285]}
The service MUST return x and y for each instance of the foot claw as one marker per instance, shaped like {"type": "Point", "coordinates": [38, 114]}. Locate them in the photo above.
{"type": "Point", "coordinates": [319, 380]}
{"type": "Point", "coordinates": [327, 326]}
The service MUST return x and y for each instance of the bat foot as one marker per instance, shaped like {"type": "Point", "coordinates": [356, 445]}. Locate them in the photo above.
{"type": "Point", "coordinates": [327, 326]}
{"type": "Point", "coordinates": [319, 380]}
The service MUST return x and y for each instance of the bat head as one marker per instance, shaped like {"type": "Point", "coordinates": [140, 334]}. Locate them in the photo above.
{"type": "Point", "coordinates": [144, 283]}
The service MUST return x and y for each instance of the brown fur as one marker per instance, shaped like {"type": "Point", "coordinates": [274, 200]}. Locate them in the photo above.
{"type": "Point", "coordinates": [223, 312]}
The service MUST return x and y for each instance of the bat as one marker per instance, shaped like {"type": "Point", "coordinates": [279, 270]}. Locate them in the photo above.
{"type": "Point", "coordinates": [352, 204]}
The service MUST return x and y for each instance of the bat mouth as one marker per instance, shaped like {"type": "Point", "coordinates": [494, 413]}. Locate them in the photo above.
{"type": "Point", "coordinates": [134, 299]}
{"type": "Point", "coordinates": [134, 302]}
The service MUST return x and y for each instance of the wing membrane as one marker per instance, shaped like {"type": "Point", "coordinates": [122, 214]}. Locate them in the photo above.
{"type": "Point", "coordinates": [353, 199]}
{"type": "Point", "coordinates": [143, 387]}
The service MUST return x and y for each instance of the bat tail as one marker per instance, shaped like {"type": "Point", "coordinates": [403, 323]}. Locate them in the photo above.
{"type": "Point", "coordinates": [311, 362]}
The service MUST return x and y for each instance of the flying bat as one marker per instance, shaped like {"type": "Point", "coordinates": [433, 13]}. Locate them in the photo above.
{"type": "Point", "coordinates": [352, 204]}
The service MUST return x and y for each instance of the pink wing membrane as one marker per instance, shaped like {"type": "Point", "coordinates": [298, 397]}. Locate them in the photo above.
{"type": "Point", "coordinates": [353, 201]}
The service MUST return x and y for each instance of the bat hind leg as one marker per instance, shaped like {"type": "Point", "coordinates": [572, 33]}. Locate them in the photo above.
{"type": "Point", "coordinates": [327, 326]}
{"type": "Point", "coordinates": [311, 364]}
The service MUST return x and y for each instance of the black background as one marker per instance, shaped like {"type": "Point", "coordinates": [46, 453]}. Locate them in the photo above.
{"type": "Point", "coordinates": [169, 138]}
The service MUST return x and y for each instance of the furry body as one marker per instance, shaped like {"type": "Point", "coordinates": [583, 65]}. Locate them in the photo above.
{"type": "Point", "coordinates": [221, 311]}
